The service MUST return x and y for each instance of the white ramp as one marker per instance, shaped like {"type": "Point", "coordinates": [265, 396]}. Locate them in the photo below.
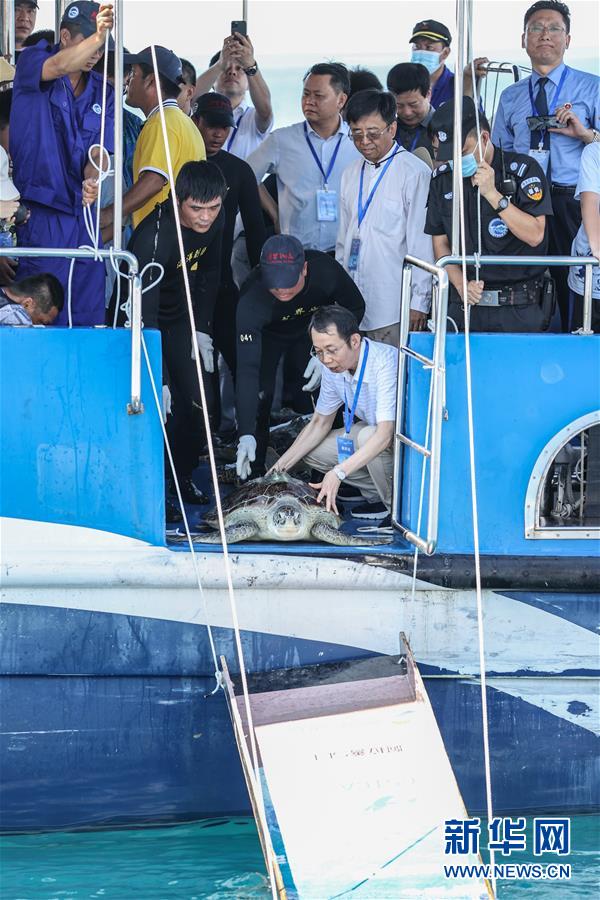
{"type": "Point", "coordinates": [357, 781]}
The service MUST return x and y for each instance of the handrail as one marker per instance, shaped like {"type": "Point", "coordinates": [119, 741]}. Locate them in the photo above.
{"type": "Point", "coordinates": [438, 374]}
{"type": "Point", "coordinates": [588, 261]}
{"type": "Point", "coordinates": [135, 405]}
{"type": "Point", "coordinates": [402, 442]}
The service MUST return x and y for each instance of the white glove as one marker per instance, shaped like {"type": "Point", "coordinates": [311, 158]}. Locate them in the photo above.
{"type": "Point", "coordinates": [204, 343]}
{"type": "Point", "coordinates": [246, 454]}
{"type": "Point", "coordinates": [312, 373]}
{"type": "Point", "coordinates": [166, 402]}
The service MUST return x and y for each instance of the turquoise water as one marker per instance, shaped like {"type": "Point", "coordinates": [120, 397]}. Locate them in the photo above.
{"type": "Point", "coordinates": [210, 861]}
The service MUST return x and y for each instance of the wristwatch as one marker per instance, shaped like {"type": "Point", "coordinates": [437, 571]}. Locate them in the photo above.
{"type": "Point", "coordinates": [502, 204]}
{"type": "Point", "coordinates": [251, 70]}
{"type": "Point", "coordinates": [337, 470]}
{"type": "Point", "coordinates": [595, 136]}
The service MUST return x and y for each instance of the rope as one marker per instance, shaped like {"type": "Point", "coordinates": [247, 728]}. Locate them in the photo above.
{"type": "Point", "coordinates": [213, 469]}
{"type": "Point", "coordinates": [476, 103]}
{"type": "Point", "coordinates": [93, 232]}
{"type": "Point", "coordinates": [158, 405]}
{"type": "Point", "coordinates": [474, 509]}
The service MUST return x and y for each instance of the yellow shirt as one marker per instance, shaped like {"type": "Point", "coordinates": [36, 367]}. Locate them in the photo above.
{"type": "Point", "coordinates": [185, 145]}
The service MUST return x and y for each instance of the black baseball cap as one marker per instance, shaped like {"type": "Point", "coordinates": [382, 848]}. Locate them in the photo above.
{"type": "Point", "coordinates": [281, 261]}
{"type": "Point", "coordinates": [216, 109]}
{"type": "Point", "coordinates": [442, 126]}
{"type": "Point", "coordinates": [27, 3]}
{"type": "Point", "coordinates": [435, 31]}
{"type": "Point", "coordinates": [167, 63]}
{"type": "Point", "coordinates": [83, 14]}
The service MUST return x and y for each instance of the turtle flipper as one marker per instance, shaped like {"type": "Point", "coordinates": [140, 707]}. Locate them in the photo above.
{"type": "Point", "coordinates": [233, 534]}
{"type": "Point", "coordinates": [321, 531]}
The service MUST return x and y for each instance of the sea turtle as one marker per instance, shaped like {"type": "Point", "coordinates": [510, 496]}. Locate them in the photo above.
{"type": "Point", "coordinates": [277, 508]}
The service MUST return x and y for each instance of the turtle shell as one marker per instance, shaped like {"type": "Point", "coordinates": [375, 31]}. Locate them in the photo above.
{"type": "Point", "coordinates": [261, 491]}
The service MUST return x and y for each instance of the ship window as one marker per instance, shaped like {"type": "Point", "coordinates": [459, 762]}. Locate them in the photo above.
{"type": "Point", "coordinates": [563, 496]}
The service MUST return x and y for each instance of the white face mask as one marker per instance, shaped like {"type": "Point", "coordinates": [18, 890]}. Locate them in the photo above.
{"type": "Point", "coordinates": [427, 58]}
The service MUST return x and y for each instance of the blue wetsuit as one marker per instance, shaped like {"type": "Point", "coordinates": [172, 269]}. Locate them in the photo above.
{"type": "Point", "coordinates": [51, 132]}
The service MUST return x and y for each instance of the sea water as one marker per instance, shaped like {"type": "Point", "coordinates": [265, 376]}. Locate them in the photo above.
{"type": "Point", "coordinates": [212, 860]}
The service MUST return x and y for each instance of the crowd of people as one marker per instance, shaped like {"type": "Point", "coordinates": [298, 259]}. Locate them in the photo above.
{"type": "Point", "coordinates": [294, 238]}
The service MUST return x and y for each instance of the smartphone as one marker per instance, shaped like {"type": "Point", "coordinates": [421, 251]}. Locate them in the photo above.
{"type": "Point", "coordinates": [239, 26]}
{"type": "Point", "coordinates": [536, 122]}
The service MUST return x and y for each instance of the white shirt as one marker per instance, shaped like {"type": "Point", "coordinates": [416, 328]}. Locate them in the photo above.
{"type": "Point", "coordinates": [286, 153]}
{"type": "Point", "coordinates": [589, 180]}
{"type": "Point", "coordinates": [377, 399]}
{"type": "Point", "coordinates": [393, 226]}
{"type": "Point", "coordinates": [245, 137]}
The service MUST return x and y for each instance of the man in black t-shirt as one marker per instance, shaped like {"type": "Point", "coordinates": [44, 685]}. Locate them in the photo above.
{"type": "Point", "coordinates": [214, 117]}
{"type": "Point", "coordinates": [276, 304]}
{"type": "Point", "coordinates": [513, 223]}
{"type": "Point", "coordinates": [200, 190]}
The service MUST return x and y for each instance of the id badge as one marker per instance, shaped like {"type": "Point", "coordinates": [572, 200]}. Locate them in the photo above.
{"type": "Point", "coordinates": [327, 206]}
{"type": "Point", "coordinates": [490, 298]}
{"type": "Point", "coordinates": [354, 252]}
{"type": "Point", "coordinates": [542, 157]}
{"type": "Point", "coordinates": [345, 448]}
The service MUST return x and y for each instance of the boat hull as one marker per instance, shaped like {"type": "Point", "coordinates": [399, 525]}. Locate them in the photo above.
{"type": "Point", "coordinates": [107, 710]}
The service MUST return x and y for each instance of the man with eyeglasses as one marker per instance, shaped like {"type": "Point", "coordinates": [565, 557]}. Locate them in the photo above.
{"type": "Point", "coordinates": [276, 303]}
{"type": "Point", "coordinates": [382, 218]}
{"type": "Point", "coordinates": [360, 377]}
{"type": "Point", "coordinates": [521, 123]}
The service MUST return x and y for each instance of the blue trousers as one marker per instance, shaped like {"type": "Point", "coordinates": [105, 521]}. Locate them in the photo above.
{"type": "Point", "coordinates": [50, 228]}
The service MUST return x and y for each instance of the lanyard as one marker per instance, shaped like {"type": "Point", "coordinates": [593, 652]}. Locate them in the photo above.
{"type": "Point", "coordinates": [534, 109]}
{"type": "Point", "coordinates": [234, 131]}
{"type": "Point", "coordinates": [349, 413]}
{"type": "Point", "coordinates": [415, 139]}
{"type": "Point", "coordinates": [318, 161]}
{"type": "Point", "coordinates": [362, 210]}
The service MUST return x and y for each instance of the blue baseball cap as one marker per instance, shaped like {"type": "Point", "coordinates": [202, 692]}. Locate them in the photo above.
{"type": "Point", "coordinates": [167, 63]}
{"type": "Point", "coordinates": [82, 14]}
{"type": "Point", "coordinates": [281, 262]}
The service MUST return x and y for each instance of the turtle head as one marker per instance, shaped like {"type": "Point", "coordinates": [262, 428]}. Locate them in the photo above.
{"type": "Point", "coordinates": [287, 520]}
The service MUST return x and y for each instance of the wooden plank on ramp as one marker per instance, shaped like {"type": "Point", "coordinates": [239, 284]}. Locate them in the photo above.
{"type": "Point", "coordinates": [356, 781]}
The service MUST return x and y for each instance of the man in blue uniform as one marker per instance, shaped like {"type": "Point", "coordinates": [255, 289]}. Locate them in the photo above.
{"type": "Point", "coordinates": [570, 95]}
{"type": "Point", "coordinates": [55, 119]}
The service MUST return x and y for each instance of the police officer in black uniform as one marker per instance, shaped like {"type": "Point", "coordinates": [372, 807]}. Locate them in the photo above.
{"type": "Point", "coordinates": [515, 201]}
{"type": "Point", "coordinates": [276, 304]}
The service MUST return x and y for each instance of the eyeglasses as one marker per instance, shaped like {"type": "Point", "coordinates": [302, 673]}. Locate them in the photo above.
{"type": "Point", "coordinates": [321, 354]}
{"type": "Point", "coordinates": [372, 135]}
{"type": "Point", "coordinates": [551, 29]}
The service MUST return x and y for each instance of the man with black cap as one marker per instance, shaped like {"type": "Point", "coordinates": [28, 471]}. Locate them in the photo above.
{"type": "Point", "coordinates": [276, 303]}
{"type": "Point", "coordinates": [431, 48]}
{"type": "Point", "coordinates": [25, 16]}
{"type": "Point", "coordinates": [214, 118]}
{"type": "Point", "coordinates": [514, 198]}
{"type": "Point", "coordinates": [55, 120]}
{"type": "Point", "coordinates": [150, 169]}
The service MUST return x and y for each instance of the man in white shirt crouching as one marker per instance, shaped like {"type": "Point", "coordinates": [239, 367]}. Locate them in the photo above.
{"type": "Point", "coordinates": [360, 376]}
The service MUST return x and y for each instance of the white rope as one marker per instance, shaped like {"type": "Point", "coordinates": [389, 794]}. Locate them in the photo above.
{"type": "Point", "coordinates": [476, 103]}
{"type": "Point", "coordinates": [213, 469]}
{"type": "Point", "coordinates": [93, 232]}
{"type": "Point", "coordinates": [474, 509]}
{"type": "Point", "coordinates": [158, 404]}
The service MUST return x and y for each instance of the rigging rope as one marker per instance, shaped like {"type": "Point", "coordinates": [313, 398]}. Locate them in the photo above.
{"type": "Point", "coordinates": [474, 510]}
{"type": "Point", "coordinates": [213, 469]}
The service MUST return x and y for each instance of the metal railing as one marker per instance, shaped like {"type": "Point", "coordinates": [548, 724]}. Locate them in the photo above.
{"type": "Point", "coordinates": [135, 405]}
{"type": "Point", "coordinates": [437, 364]}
